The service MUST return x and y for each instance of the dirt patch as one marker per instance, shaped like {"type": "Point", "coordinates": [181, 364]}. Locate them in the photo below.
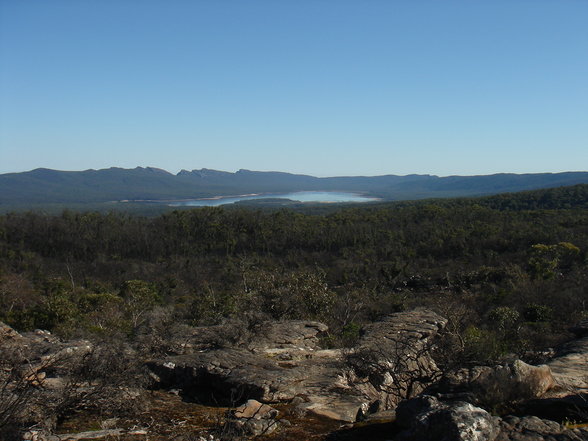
{"type": "Point", "coordinates": [167, 417]}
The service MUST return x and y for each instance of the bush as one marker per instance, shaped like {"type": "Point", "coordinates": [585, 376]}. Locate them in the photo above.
{"type": "Point", "coordinates": [537, 313]}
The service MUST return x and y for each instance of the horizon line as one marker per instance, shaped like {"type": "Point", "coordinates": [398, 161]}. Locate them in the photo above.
{"type": "Point", "coordinates": [290, 173]}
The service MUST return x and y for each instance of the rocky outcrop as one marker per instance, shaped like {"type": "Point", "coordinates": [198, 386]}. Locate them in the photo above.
{"type": "Point", "coordinates": [270, 337]}
{"type": "Point", "coordinates": [225, 376]}
{"type": "Point", "coordinates": [419, 324]}
{"type": "Point", "coordinates": [36, 353]}
{"type": "Point", "coordinates": [282, 362]}
{"type": "Point", "coordinates": [569, 397]}
{"type": "Point", "coordinates": [490, 386]}
{"type": "Point", "coordinates": [285, 364]}
{"type": "Point", "coordinates": [546, 395]}
{"type": "Point", "coordinates": [392, 360]}
{"type": "Point", "coordinates": [427, 418]}
{"type": "Point", "coordinates": [252, 418]}
{"type": "Point", "coordinates": [43, 376]}
{"type": "Point", "coordinates": [532, 428]}
{"type": "Point", "coordinates": [33, 371]}
{"type": "Point", "coordinates": [570, 366]}
{"type": "Point", "coordinates": [293, 334]}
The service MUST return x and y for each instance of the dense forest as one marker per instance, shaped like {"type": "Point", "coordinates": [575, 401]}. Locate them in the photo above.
{"type": "Point", "coordinates": [509, 271]}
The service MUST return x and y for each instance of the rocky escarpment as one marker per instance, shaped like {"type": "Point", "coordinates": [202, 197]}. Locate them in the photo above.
{"type": "Point", "coordinates": [496, 386]}
{"type": "Point", "coordinates": [377, 380]}
{"type": "Point", "coordinates": [43, 378]}
{"type": "Point", "coordinates": [568, 399]}
{"type": "Point", "coordinates": [285, 364]}
{"type": "Point", "coordinates": [546, 401]}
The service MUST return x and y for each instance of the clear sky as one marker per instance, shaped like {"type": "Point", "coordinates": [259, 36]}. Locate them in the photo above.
{"type": "Point", "coordinates": [321, 87]}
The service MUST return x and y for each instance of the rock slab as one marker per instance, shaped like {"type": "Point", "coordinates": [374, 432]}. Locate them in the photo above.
{"type": "Point", "coordinates": [286, 364]}
{"type": "Point", "coordinates": [252, 418]}
{"type": "Point", "coordinates": [429, 419]}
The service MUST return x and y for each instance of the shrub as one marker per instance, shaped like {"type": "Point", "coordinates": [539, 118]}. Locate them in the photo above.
{"type": "Point", "coordinates": [537, 313]}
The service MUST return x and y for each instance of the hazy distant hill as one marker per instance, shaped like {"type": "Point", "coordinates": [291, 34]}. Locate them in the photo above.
{"type": "Point", "coordinates": [44, 186]}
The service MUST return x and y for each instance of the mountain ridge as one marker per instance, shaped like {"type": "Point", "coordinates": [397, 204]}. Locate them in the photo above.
{"type": "Point", "coordinates": [44, 185]}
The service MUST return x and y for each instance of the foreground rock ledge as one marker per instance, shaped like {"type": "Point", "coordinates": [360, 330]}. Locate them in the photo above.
{"type": "Point", "coordinates": [317, 380]}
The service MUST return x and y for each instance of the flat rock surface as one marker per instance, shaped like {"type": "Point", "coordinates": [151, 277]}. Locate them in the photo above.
{"type": "Point", "coordinates": [285, 364]}
{"type": "Point", "coordinates": [570, 366]}
{"type": "Point", "coordinates": [294, 334]}
{"type": "Point", "coordinates": [229, 375]}
{"type": "Point", "coordinates": [419, 323]}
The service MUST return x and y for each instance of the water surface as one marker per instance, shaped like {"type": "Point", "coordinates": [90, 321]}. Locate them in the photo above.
{"type": "Point", "coordinates": [299, 196]}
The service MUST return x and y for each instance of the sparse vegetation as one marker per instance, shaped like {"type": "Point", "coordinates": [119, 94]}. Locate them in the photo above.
{"type": "Point", "coordinates": [509, 273]}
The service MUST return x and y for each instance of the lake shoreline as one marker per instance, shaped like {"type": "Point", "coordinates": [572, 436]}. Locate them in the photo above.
{"type": "Point", "coordinates": [310, 196]}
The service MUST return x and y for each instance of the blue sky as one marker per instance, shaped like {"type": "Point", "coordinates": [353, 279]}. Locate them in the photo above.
{"type": "Point", "coordinates": [339, 87]}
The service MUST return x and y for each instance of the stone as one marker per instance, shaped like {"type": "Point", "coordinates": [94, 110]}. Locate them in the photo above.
{"type": "Point", "coordinates": [283, 336]}
{"type": "Point", "coordinates": [252, 418]}
{"type": "Point", "coordinates": [255, 409]}
{"type": "Point", "coordinates": [225, 375]}
{"type": "Point", "coordinates": [456, 421]}
{"type": "Point", "coordinates": [570, 366]}
{"type": "Point", "coordinates": [392, 359]}
{"type": "Point", "coordinates": [503, 384]}
{"type": "Point", "coordinates": [286, 363]}
{"type": "Point", "coordinates": [292, 334]}
{"type": "Point", "coordinates": [432, 420]}
{"type": "Point", "coordinates": [517, 381]}
{"type": "Point", "coordinates": [381, 417]}
{"type": "Point", "coordinates": [419, 323]}
{"type": "Point", "coordinates": [408, 410]}
{"type": "Point", "coordinates": [532, 428]}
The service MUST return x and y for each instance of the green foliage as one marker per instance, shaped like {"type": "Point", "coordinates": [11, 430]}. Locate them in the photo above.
{"type": "Point", "coordinates": [209, 307]}
{"type": "Point", "coordinates": [482, 345]}
{"type": "Point", "coordinates": [506, 331]}
{"type": "Point", "coordinates": [103, 313]}
{"type": "Point", "coordinates": [139, 297]}
{"type": "Point", "coordinates": [57, 309]}
{"type": "Point", "coordinates": [350, 334]}
{"type": "Point", "coordinates": [293, 295]}
{"type": "Point", "coordinates": [313, 293]}
{"type": "Point", "coordinates": [537, 313]}
{"type": "Point", "coordinates": [504, 319]}
{"type": "Point", "coordinates": [546, 260]}
{"type": "Point", "coordinates": [93, 302]}
{"type": "Point", "coordinates": [479, 262]}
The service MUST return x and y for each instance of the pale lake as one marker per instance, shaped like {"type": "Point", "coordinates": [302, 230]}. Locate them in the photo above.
{"type": "Point", "coordinates": [299, 196]}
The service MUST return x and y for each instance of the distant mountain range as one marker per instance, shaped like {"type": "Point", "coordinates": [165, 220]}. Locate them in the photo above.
{"type": "Point", "coordinates": [45, 186]}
